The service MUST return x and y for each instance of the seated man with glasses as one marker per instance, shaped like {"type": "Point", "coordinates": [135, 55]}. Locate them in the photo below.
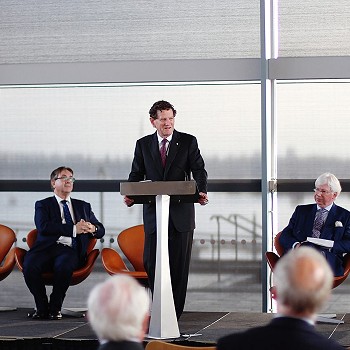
{"type": "Point", "coordinates": [64, 226]}
{"type": "Point", "coordinates": [322, 225]}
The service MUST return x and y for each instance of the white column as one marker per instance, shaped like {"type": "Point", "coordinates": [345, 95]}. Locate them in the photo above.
{"type": "Point", "coordinates": [163, 323]}
{"type": "Point", "coordinates": [269, 50]}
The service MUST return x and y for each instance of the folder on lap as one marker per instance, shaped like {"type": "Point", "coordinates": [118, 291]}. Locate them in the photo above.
{"type": "Point", "coordinates": [327, 243]}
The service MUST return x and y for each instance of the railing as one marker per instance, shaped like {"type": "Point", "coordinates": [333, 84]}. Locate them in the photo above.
{"type": "Point", "coordinates": [235, 220]}
{"type": "Point", "coordinates": [238, 222]}
{"type": "Point", "coordinates": [222, 185]}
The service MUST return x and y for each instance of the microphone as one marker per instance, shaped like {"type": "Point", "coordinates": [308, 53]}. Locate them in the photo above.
{"type": "Point", "coordinates": [186, 176]}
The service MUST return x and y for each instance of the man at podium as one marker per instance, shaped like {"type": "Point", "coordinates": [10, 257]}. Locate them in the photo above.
{"type": "Point", "coordinates": [169, 155]}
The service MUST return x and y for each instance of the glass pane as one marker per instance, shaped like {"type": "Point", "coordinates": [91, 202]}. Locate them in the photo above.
{"type": "Point", "coordinates": [226, 259]}
{"type": "Point", "coordinates": [94, 129]}
{"type": "Point", "coordinates": [313, 129]}
{"type": "Point", "coordinates": [231, 283]}
{"type": "Point", "coordinates": [314, 28]}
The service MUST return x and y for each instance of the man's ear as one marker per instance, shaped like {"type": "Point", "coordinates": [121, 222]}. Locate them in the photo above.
{"type": "Point", "coordinates": [145, 325]}
{"type": "Point", "coordinates": [273, 292]}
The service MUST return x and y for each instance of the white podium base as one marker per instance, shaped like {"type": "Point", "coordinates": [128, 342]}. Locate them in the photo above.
{"type": "Point", "coordinates": [163, 323]}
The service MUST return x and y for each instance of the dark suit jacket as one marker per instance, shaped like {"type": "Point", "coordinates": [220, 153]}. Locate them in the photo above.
{"type": "Point", "coordinates": [183, 159]}
{"type": "Point", "coordinates": [300, 227]}
{"type": "Point", "coordinates": [48, 221]}
{"type": "Point", "coordinates": [281, 333]}
{"type": "Point", "coordinates": [121, 345]}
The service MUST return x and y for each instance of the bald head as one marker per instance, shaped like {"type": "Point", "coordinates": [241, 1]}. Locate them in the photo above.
{"type": "Point", "coordinates": [303, 281]}
{"type": "Point", "coordinates": [307, 274]}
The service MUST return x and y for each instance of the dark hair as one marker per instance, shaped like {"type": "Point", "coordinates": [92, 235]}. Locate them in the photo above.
{"type": "Point", "coordinates": [55, 173]}
{"type": "Point", "coordinates": [160, 106]}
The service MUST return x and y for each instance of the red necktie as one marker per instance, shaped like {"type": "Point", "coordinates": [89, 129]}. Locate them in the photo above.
{"type": "Point", "coordinates": [163, 152]}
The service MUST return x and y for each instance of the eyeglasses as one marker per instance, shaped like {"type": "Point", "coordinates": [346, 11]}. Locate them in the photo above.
{"type": "Point", "coordinates": [65, 179]}
{"type": "Point", "coordinates": [317, 190]}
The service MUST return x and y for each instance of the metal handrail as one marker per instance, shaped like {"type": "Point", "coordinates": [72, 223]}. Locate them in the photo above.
{"type": "Point", "coordinates": [220, 185]}
{"type": "Point", "coordinates": [233, 219]}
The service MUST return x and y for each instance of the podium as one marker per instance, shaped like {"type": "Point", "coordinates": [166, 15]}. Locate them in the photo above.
{"type": "Point", "coordinates": [163, 322]}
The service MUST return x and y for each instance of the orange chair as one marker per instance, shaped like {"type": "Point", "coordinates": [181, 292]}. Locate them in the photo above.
{"type": "Point", "coordinates": [131, 242]}
{"type": "Point", "coordinates": [162, 345]}
{"type": "Point", "coordinates": [272, 259]}
{"type": "Point", "coordinates": [7, 255]}
{"type": "Point", "coordinates": [79, 275]}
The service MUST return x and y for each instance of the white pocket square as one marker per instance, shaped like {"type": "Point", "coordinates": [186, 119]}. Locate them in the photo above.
{"type": "Point", "coordinates": [338, 224]}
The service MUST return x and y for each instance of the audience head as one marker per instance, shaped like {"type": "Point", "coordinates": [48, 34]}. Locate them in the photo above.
{"type": "Point", "coordinates": [161, 106]}
{"type": "Point", "coordinates": [118, 309]}
{"type": "Point", "coordinates": [303, 280]}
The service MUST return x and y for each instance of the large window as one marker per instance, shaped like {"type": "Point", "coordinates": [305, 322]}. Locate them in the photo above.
{"type": "Point", "coordinates": [77, 81]}
{"type": "Point", "coordinates": [94, 128]}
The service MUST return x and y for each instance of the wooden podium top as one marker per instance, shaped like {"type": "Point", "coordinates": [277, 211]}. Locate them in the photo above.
{"type": "Point", "coordinates": [146, 188]}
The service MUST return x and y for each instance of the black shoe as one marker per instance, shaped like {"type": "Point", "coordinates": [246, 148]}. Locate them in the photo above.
{"type": "Point", "coordinates": [37, 315]}
{"type": "Point", "coordinates": [55, 315]}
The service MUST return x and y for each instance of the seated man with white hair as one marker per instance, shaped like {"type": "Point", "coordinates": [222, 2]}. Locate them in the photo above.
{"type": "Point", "coordinates": [323, 225]}
{"type": "Point", "coordinates": [118, 310]}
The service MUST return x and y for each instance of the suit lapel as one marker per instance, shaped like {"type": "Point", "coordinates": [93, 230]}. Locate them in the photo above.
{"type": "Point", "coordinates": [79, 214]}
{"type": "Point", "coordinates": [327, 229]}
{"type": "Point", "coordinates": [56, 209]}
{"type": "Point", "coordinates": [154, 151]}
{"type": "Point", "coordinates": [173, 149]}
{"type": "Point", "coordinates": [310, 218]}
{"type": "Point", "coordinates": [77, 209]}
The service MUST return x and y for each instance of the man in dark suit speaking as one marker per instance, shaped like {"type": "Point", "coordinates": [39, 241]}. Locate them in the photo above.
{"type": "Point", "coordinates": [64, 226]}
{"type": "Point", "coordinates": [169, 155]}
{"type": "Point", "coordinates": [303, 281]}
{"type": "Point", "coordinates": [323, 219]}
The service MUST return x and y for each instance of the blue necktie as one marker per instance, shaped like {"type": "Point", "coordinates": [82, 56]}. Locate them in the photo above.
{"type": "Point", "coordinates": [69, 220]}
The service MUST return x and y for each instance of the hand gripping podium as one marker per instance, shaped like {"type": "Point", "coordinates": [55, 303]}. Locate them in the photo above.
{"type": "Point", "coordinates": [163, 323]}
